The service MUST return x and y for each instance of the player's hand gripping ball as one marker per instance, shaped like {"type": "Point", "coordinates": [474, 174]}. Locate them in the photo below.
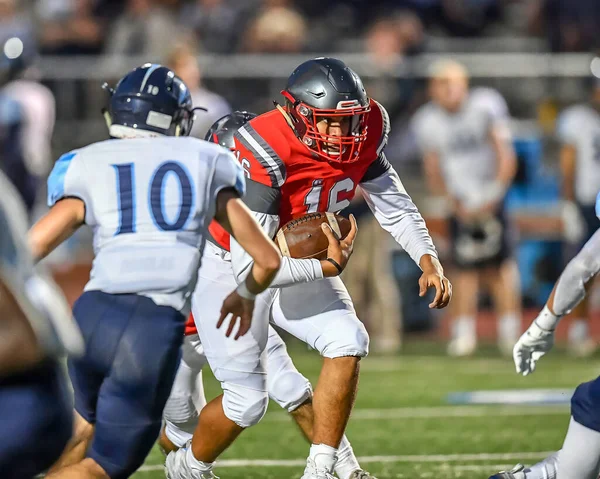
{"type": "Point", "coordinates": [303, 238]}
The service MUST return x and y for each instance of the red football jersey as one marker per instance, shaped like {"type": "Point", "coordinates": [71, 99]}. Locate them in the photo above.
{"type": "Point", "coordinates": [190, 326]}
{"type": "Point", "coordinates": [272, 155]}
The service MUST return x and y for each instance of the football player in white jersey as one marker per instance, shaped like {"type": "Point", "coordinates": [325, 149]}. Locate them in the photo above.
{"type": "Point", "coordinates": [469, 159]}
{"type": "Point", "coordinates": [578, 130]}
{"type": "Point", "coordinates": [580, 456]}
{"type": "Point", "coordinates": [149, 193]}
{"type": "Point", "coordinates": [37, 329]}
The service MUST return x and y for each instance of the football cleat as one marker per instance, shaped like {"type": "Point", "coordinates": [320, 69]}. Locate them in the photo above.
{"type": "Point", "coordinates": [177, 467]}
{"type": "Point", "coordinates": [515, 473]}
{"type": "Point", "coordinates": [360, 474]}
{"type": "Point", "coordinates": [313, 472]}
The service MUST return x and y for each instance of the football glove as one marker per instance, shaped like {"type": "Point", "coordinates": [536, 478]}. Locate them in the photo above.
{"type": "Point", "coordinates": [531, 346]}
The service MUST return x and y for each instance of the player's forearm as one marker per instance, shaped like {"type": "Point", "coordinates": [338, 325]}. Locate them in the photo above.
{"type": "Point", "coordinates": [571, 287]}
{"type": "Point", "coordinates": [410, 231]}
{"type": "Point", "coordinates": [56, 226]}
{"type": "Point", "coordinates": [256, 246]}
{"type": "Point", "coordinates": [507, 164]}
{"type": "Point", "coordinates": [568, 159]}
{"type": "Point", "coordinates": [433, 175]}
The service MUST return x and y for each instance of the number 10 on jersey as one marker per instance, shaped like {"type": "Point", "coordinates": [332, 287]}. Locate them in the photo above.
{"type": "Point", "coordinates": [127, 201]}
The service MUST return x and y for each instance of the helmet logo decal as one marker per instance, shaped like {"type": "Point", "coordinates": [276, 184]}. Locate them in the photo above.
{"type": "Point", "coordinates": [151, 70]}
{"type": "Point", "coordinates": [342, 105]}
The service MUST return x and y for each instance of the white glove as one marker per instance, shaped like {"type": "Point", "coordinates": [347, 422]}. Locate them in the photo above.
{"type": "Point", "coordinates": [574, 227]}
{"type": "Point", "coordinates": [530, 347]}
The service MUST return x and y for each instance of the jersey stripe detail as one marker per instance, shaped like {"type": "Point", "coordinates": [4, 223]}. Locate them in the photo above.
{"type": "Point", "coordinates": [262, 198]}
{"type": "Point", "coordinates": [264, 154]}
{"type": "Point", "coordinates": [386, 127]}
{"type": "Point", "coordinates": [56, 180]}
{"type": "Point", "coordinates": [376, 169]}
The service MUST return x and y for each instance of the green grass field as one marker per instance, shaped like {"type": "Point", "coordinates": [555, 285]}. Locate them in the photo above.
{"type": "Point", "coordinates": [402, 426]}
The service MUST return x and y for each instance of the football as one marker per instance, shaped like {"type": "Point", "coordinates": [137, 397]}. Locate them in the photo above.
{"type": "Point", "coordinates": [303, 237]}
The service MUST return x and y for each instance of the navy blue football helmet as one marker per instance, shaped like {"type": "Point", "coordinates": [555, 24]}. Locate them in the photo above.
{"type": "Point", "coordinates": [151, 98]}
{"type": "Point", "coordinates": [222, 130]}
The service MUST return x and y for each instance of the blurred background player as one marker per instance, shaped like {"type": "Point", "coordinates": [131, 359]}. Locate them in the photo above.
{"type": "Point", "coordinates": [37, 106]}
{"type": "Point", "coordinates": [579, 134]}
{"type": "Point", "coordinates": [148, 228]}
{"type": "Point", "coordinates": [27, 116]}
{"type": "Point", "coordinates": [580, 456]}
{"type": "Point", "coordinates": [469, 159]}
{"type": "Point", "coordinates": [37, 329]}
{"type": "Point", "coordinates": [184, 62]}
{"type": "Point", "coordinates": [286, 386]}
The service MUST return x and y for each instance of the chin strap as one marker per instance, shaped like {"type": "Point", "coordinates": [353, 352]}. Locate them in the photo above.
{"type": "Point", "coordinates": [286, 115]}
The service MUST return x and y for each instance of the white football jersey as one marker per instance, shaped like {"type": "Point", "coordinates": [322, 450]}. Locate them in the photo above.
{"type": "Point", "coordinates": [149, 201]}
{"type": "Point", "coordinates": [580, 126]}
{"type": "Point", "coordinates": [462, 140]}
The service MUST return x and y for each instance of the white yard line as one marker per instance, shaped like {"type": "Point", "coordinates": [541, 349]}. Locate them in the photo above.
{"type": "Point", "coordinates": [442, 412]}
{"type": "Point", "coordinates": [438, 458]}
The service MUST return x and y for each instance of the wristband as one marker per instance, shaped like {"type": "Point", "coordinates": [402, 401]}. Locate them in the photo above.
{"type": "Point", "coordinates": [336, 264]}
{"type": "Point", "coordinates": [244, 292]}
{"type": "Point", "coordinates": [546, 320]}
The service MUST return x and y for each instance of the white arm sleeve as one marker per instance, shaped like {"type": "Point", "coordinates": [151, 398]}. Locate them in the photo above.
{"type": "Point", "coordinates": [570, 288]}
{"type": "Point", "coordinates": [292, 271]}
{"type": "Point", "coordinates": [397, 214]}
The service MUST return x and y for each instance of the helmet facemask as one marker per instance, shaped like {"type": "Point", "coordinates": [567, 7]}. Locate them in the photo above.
{"type": "Point", "coordinates": [344, 148]}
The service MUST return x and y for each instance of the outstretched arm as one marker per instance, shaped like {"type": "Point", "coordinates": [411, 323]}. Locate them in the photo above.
{"type": "Point", "coordinates": [237, 220]}
{"type": "Point", "coordinates": [568, 292]}
{"type": "Point", "coordinates": [398, 215]}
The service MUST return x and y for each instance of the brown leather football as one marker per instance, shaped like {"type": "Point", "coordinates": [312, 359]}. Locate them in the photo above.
{"type": "Point", "coordinates": [303, 237]}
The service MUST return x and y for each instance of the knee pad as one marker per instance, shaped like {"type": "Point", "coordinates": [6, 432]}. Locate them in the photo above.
{"type": "Point", "coordinates": [244, 406]}
{"type": "Point", "coordinates": [585, 404]}
{"type": "Point", "coordinates": [181, 411]}
{"type": "Point", "coordinates": [289, 389]}
{"type": "Point", "coordinates": [345, 336]}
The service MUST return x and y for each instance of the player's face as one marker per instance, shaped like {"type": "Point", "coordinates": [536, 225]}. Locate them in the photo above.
{"type": "Point", "coordinates": [334, 125]}
{"type": "Point", "coordinates": [337, 126]}
{"type": "Point", "coordinates": [449, 91]}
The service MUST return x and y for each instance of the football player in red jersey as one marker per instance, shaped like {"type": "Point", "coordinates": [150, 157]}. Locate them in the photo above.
{"type": "Point", "coordinates": [307, 156]}
{"type": "Point", "coordinates": [286, 386]}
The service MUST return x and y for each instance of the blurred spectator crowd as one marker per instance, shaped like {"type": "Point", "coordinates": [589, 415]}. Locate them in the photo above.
{"type": "Point", "coordinates": [140, 27]}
